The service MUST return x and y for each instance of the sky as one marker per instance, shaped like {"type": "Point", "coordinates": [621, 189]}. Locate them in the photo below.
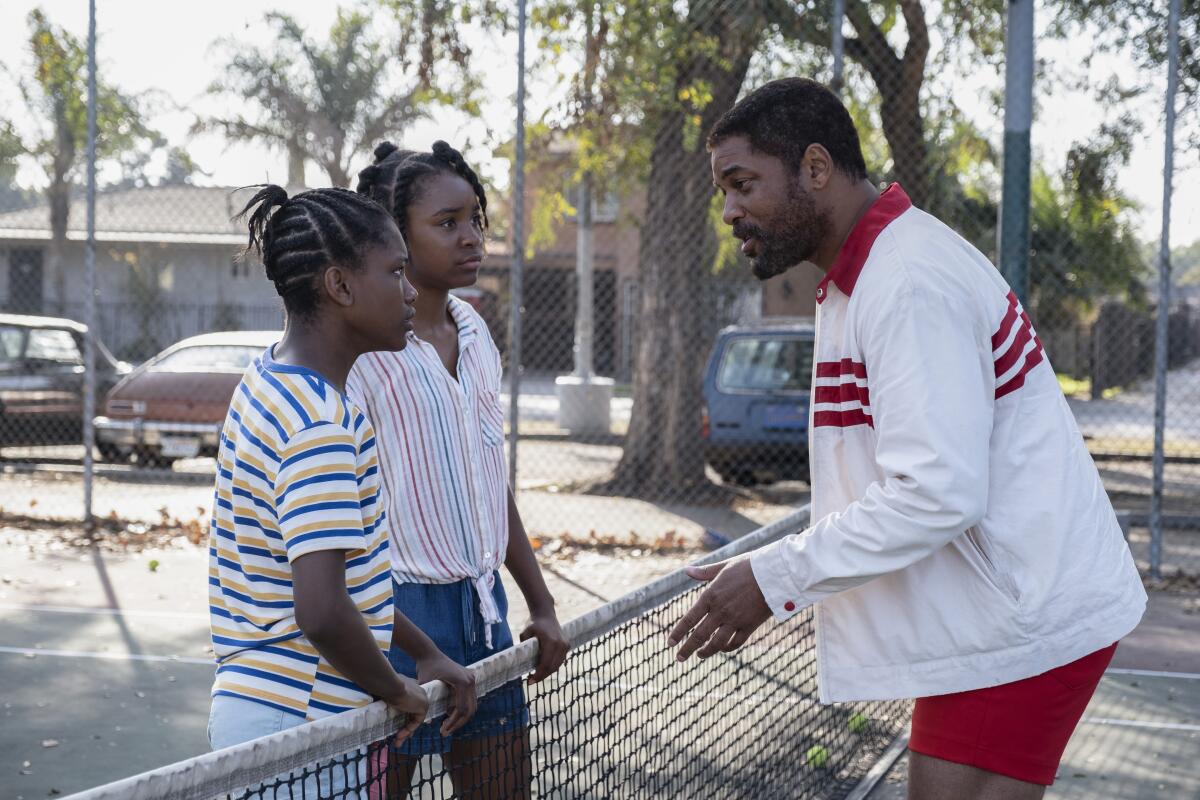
{"type": "Point", "coordinates": [166, 47]}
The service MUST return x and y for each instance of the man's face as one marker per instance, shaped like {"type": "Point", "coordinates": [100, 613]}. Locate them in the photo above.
{"type": "Point", "coordinates": [768, 207]}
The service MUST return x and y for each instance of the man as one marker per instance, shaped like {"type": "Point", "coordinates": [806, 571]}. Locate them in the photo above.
{"type": "Point", "coordinates": [963, 550]}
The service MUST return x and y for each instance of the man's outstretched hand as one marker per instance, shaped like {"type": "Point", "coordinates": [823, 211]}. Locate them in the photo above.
{"type": "Point", "coordinates": [725, 614]}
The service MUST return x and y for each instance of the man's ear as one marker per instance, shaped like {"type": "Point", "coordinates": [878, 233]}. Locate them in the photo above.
{"type": "Point", "coordinates": [339, 289]}
{"type": "Point", "coordinates": [817, 166]}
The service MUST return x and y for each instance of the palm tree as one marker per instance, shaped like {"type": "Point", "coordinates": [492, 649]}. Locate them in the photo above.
{"type": "Point", "coordinates": [329, 102]}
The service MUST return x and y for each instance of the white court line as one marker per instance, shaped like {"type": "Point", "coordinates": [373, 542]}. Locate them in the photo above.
{"type": "Point", "coordinates": [1151, 673]}
{"type": "Point", "coordinates": [118, 612]}
{"type": "Point", "coordinates": [1131, 723]}
{"type": "Point", "coordinates": [25, 651]}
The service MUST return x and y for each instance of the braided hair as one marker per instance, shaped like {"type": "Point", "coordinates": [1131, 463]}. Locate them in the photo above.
{"type": "Point", "coordinates": [394, 179]}
{"type": "Point", "coordinates": [298, 237]}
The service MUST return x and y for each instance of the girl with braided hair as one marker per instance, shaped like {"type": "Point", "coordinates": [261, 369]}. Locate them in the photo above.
{"type": "Point", "coordinates": [436, 410]}
{"type": "Point", "coordinates": [301, 604]}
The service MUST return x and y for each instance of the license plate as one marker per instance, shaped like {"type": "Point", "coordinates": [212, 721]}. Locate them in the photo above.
{"type": "Point", "coordinates": [180, 446]}
{"type": "Point", "coordinates": [787, 416]}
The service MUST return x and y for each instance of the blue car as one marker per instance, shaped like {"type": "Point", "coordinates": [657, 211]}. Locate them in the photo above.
{"type": "Point", "coordinates": [756, 395]}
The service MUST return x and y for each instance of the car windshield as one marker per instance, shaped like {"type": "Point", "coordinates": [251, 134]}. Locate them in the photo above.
{"type": "Point", "coordinates": [206, 357]}
{"type": "Point", "coordinates": [766, 364]}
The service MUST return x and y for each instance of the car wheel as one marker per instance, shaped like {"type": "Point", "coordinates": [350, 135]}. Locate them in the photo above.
{"type": "Point", "coordinates": [110, 453]}
{"type": "Point", "coordinates": [737, 477]}
{"type": "Point", "coordinates": [153, 459]}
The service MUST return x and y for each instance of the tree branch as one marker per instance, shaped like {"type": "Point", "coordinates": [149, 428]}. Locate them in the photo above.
{"type": "Point", "coordinates": [873, 50]}
{"type": "Point", "coordinates": [917, 49]}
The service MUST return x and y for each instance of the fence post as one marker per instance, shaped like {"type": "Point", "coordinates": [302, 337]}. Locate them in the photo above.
{"type": "Point", "coordinates": [1162, 329]}
{"type": "Point", "coordinates": [89, 283]}
{"type": "Point", "coordinates": [517, 267]}
{"type": "Point", "coordinates": [1018, 118]}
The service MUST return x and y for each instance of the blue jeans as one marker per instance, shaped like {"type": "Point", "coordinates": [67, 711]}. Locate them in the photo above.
{"type": "Point", "coordinates": [448, 613]}
{"type": "Point", "coordinates": [234, 720]}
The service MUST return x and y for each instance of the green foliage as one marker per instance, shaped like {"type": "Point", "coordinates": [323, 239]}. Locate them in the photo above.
{"type": "Point", "coordinates": [1185, 263]}
{"type": "Point", "coordinates": [1083, 246]}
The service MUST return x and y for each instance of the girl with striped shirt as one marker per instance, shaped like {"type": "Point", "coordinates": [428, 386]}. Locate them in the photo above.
{"type": "Point", "coordinates": [299, 592]}
{"type": "Point", "coordinates": [436, 410]}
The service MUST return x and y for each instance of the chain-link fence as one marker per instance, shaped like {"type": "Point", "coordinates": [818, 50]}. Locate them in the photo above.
{"type": "Point", "coordinates": [671, 409]}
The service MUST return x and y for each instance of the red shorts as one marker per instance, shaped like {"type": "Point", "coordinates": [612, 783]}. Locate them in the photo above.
{"type": "Point", "coordinates": [1017, 729]}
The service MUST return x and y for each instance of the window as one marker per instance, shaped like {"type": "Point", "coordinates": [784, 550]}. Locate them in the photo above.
{"type": "Point", "coordinates": [774, 364]}
{"type": "Point", "coordinates": [604, 206]}
{"type": "Point", "coordinates": [51, 344]}
{"type": "Point", "coordinates": [12, 342]}
{"type": "Point", "coordinates": [209, 357]}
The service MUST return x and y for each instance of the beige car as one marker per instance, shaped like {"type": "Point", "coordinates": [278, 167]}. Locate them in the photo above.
{"type": "Point", "coordinates": [173, 406]}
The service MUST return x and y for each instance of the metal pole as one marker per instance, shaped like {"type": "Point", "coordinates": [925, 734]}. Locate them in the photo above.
{"type": "Point", "coordinates": [1162, 322]}
{"type": "Point", "coordinates": [89, 283]}
{"type": "Point", "coordinates": [516, 279]}
{"type": "Point", "coordinates": [1018, 117]}
{"type": "Point", "coordinates": [838, 45]}
{"type": "Point", "coordinates": [584, 280]}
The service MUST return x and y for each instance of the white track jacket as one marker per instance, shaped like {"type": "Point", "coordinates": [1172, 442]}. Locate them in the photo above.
{"type": "Point", "coordinates": [962, 537]}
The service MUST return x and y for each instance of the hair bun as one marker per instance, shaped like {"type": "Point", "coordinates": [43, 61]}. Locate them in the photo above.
{"type": "Point", "coordinates": [445, 152]}
{"type": "Point", "coordinates": [383, 150]}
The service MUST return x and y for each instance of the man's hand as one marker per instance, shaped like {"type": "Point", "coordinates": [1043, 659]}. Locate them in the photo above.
{"type": "Point", "coordinates": [410, 703]}
{"type": "Point", "coordinates": [439, 667]}
{"type": "Point", "coordinates": [725, 614]}
{"type": "Point", "coordinates": [552, 644]}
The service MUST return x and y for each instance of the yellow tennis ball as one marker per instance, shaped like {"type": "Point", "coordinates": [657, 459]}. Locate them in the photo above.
{"type": "Point", "coordinates": [817, 755]}
{"type": "Point", "coordinates": [857, 723]}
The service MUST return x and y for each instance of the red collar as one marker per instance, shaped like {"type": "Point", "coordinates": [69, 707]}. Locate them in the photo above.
{"type": "Point", "coordinates": [850, 259]}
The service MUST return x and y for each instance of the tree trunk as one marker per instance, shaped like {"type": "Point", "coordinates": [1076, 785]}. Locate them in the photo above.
{"type": "Point", "coordinates": [904, 129]}
{"type": "Point", "coordinates": [58, 193]}
{"type": "Point", "coordinates": [676, 322]}
{"type": "Point", "coordinates": [295, 178]}
{"type": "Point", "coordinates": [899, 78]}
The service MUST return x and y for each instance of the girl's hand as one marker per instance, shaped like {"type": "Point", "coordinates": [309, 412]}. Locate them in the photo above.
{"type": "Point", "coordinates": [438, 667]}
{"type": "Point", "coordinates": [552, 644]}
{"type": "Point", "coordinates": [411, 703]}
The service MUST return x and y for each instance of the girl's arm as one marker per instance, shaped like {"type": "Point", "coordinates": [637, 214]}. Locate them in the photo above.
{"type": "Point", "coordinates": [329, 619]}
{"type": "Point", "coordinates": [519, 558]}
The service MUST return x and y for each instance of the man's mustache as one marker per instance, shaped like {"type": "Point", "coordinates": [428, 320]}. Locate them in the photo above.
{"type": "Point", "coordinates": [747, 230]}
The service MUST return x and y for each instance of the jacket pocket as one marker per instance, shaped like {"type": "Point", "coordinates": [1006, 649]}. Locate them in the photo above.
{"type": "Point", "coordinates": [999, 579]}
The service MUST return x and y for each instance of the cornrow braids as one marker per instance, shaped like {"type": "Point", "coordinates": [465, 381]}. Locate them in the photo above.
{"type": "Point", "coordinates": [394, 179]}
{"type": "Point", "coordinates": [298, 237]}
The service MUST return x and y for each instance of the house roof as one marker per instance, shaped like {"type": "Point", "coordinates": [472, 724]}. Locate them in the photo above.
{"type": "Point", "coordinates": [180, 214]}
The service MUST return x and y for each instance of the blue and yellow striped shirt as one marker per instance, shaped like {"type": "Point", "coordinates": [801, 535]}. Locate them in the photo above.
{"type": "Point", "coordinates": [296, 473]}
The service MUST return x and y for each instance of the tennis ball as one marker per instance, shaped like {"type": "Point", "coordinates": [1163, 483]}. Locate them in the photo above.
{"type": "Point", "coordinates": [857, 723]}
{"type": "Point", "coordinates": [817, 755]}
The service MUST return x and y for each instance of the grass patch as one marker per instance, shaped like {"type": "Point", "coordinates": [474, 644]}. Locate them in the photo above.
{"type": "Point", "coordinates": [1081, 388]}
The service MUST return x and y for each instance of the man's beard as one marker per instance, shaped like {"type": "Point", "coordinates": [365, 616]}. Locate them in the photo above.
{"type": "Point", "coordinates": [789, 238]}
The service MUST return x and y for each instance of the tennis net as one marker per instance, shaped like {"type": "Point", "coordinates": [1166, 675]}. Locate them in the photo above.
{"type": "Point", "coordinates": [621, 718]}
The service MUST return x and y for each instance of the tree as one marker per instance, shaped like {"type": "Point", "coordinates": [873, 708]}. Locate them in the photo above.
{"type": "Point", "coordinates": [331, 102]}
{"type": "Point", "coordinates": [12, 196]}
{"type": "Point", "coordinates": [56, 97]}
{"type": "Point", "coordinates": [1139, 27]}
{"type": "Point", "coordinates": [667, 70]}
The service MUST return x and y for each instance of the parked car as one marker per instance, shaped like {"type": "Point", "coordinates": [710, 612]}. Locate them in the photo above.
{"type": "Point", "coordinates": [173, 406]}
{"type": "Point", "coordinates": [756, 395]}
{"type": "Point", "coordinates": [42, 377]}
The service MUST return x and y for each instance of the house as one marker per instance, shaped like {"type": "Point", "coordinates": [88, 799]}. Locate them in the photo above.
{"type": "Point", "coordinates": [549, 277]}
{"type": "Point", "coordinates": [167, 266]}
